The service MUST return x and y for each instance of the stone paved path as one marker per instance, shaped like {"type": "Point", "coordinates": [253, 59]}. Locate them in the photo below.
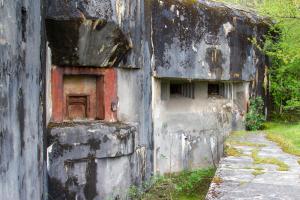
{"type": "Point", "coordinates": [237, 177]}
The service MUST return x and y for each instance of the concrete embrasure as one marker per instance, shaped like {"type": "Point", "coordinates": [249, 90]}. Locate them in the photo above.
{"type": "Point", "coordinates": [240, 178]}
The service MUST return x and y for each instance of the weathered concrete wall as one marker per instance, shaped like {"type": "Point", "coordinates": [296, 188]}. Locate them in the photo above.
{"type": "Point", "coordinates": [194, 128]}
{"type": "Point", "coordinates": [121, 23]}
{"type": "Point", "coordinates": [116, 173]}
{"type": "Point", "coordinates": [90, 160]}
{"type": "Point", "coordinates": [163, 39]}
{"type": "Point", "coordinates": [21, 100]}
{"type": "Point", "coordinates": [206, 40]}
{"type": "Point", "coordinates": [202, 40]}
{"type": "Point", "coordinates": [86, 42]}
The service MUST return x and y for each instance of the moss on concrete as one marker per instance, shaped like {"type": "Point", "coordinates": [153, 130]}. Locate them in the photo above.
{"type": "Point", "coordinates": [269, 160]}
{"type": "Point", "coordinates": [244, 143]}
{"type": "Point", "coordinates": [258, 172]}
{"type": "Point", "coordinates": [232, 151]}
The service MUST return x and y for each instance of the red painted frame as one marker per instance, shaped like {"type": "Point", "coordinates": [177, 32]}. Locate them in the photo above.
{"type": "Point", "coordinates": [106, 77]}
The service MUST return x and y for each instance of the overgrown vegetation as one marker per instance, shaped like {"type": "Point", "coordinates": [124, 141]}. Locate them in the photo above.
{"type": "Point", "coordinates": [255, 117]}
{"type": "Point", "coordinates": [282, 45]}
{"type": "Point", "coordinates": [286, 135]}
{"type": "Point", "coordinates": [187, 185]}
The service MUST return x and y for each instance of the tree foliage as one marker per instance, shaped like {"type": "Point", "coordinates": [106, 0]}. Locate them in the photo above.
{"type": "Point", "coordinates": [282, 45]}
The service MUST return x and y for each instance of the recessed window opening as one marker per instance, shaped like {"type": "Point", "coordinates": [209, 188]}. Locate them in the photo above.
{"type": "Point", "coordinates": [182, 89]}
{"type": "Point", "coordinates": [78, 106]}
{"type": "Point", "coordinates": [82, 96]}
{"type": "Point", "coordinates": [215, 90]}
{"type": "Point", "coordinates": [175, 89]}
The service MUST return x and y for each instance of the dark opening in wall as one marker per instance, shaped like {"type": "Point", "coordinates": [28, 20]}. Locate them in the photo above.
{"type": "Point", "coordinates": [78, 106]}
{"type": "Point", "coordinates": [182, 89]}
{"type": "Point", "coordinates": [80, 94]}
{"type": "Point", "coordinates": [175, 89]}
{"type": "Point", "coordinates": [216, 89]}
{"type": "Point", "coordinates": [23, 23]}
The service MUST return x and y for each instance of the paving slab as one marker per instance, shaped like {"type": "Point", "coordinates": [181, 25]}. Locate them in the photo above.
{"type": "Point", "coordinates": [236, 177]}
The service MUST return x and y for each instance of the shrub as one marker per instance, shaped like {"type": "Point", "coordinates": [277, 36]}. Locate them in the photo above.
{"type": "Point", "coordinates": [255, 117]}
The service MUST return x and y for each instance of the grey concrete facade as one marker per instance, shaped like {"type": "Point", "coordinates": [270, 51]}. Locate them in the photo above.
{"type": "Point", "coordinates": [194, 128]}
{"type": "Point", "coordinates": [22, 159]}
{"type": "Point", "coordinates": [149, 44]}
{"type": "Point", "coordinates": [206, 40]}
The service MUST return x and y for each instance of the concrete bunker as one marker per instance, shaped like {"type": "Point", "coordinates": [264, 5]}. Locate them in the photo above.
{"type": "Point", "coordinates": [138, 88]}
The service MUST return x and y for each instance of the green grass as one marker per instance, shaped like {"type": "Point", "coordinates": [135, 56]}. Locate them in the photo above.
{"type": "Point", "coordinates": [187, 185]}
{"type": "Point", "coordinates": [286, 135]}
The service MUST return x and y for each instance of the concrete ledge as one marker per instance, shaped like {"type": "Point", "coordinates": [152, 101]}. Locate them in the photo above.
{"type": "Point", "coordinates": [97, 139]}
{"type": "Point", "coordinates": [86, 160]}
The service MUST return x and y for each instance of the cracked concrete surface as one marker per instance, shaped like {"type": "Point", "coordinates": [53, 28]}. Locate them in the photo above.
{"type": "Point", "coordinates": [236, 180]}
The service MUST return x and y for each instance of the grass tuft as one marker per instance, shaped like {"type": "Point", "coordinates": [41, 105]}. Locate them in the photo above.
{"type": "Point", "coordinates": [257, 172]}
{"type": "Point", "coordinates": [274, 161]}
{"type": "Point", "coordinates": [255, 168]}
{"type": "Point", "coordinates": [238, 133]}
{"type": "Point", "coordinates": [217, 180]}
{"type": "Point", "coordinates": [232, 151]}
{"type": "Point", "coordinates": [243, 143]}
{"type": "Point", "coordinates": [187, 185]}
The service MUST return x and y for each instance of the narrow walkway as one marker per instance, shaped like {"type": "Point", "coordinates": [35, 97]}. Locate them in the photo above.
{"type": "Point", "coordinates": [245, 174]}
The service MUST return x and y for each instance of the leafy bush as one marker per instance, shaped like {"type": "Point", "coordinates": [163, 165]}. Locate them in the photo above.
{"type": "Point", "coordinates": [255, 117]}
